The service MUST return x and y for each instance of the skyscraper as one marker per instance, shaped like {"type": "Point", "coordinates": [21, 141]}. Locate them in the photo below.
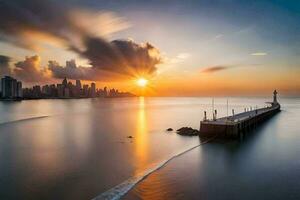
{"type": "Point", "coordinates": [9, 87]}
{"type": "Point", "coordinates": [60, 91]}
{"type": "Point", "coordinates": [85, 90]}
{"type": "Point", "coordinates": [19, 92]}
{"type": "Point", "coordinates": [78, 84]}
{"type": "Point", "coordinates": [66, 92]}
{"type": "Point", "coordinates": [105, 92]}
{"type": "Point", "coordinates": [93, 89]}
{"type": "Point", "coordinates": [65, 82]}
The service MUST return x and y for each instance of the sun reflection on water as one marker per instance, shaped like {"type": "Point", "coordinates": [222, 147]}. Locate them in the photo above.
{"type": "Point", "coordinates": [141, 144]}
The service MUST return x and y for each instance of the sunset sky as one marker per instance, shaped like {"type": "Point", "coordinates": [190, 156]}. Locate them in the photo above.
{"type": "Point", "coordinates": [183, 48]}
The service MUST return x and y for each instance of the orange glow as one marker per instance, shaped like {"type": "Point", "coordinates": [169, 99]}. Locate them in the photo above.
{"type": "Point", "coordinates": [141, 147]}
{"type": "Point", "coordinates": [235, 82]}
{"type": "Point", "coordinates": [142, 82]}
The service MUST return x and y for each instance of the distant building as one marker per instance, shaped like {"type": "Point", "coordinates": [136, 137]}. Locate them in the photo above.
{"type": "Point", "coordinates": [65, 82]}
{"type": "Point", "coordinates": [19, 89]}
{"type": "Point", "coordinates": [11, 88]}
{"type": "Point", "coordinates": [93, 90]}
{"type": "Point", "coordinates": [85, 90]}
{"type": "Point", "coordinates": [105, 93]}
{"type": "Point", "coordinates": [53, 90]}
{"type": "Point", "coordinates": [78, 84]}
{"type": "Point", "coordinates": [60, 91]}
{"type": "Point", "coordinates": [36, 91]}
{"type": "Point", "coordinates": [66, 92]}
{"type": "Point", "coordinates": [46, 90]}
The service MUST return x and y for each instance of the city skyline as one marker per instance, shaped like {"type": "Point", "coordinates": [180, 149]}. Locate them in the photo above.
{"type": "Point", "coordinates": [11, 89]}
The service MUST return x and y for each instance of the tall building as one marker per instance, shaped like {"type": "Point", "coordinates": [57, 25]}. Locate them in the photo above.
{"type": "Point", "coordinates": [65, 82]}
{"type": "Point", "coordinates": [19, 90]}
{"type": "Point", "coordinates": [60, 90]}
{"type": "Point", "coordinates": [105, 92]}
{"type": "Point", "coordinates": [37, 92]}
{"type": "Point", "coordinates": [53, 91]}
{"type": "Point", "coordinates": [66, 92]}
{"type": "Point", "coordinates": [78, 84]}
{"type": "Point", "coordinates": [9, 87]}
{"type": "Point", "coordinates": [85, 90]}
{"type": "Point", "coordinates": [46, 90]}
{"type": "Point", "coordinates": [77, 88]}
{"type": "Point", "coordinates": [93, 90]}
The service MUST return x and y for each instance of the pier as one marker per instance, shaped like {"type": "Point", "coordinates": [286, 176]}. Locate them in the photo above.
{"type": "Point", "coordinates": [235, 126]}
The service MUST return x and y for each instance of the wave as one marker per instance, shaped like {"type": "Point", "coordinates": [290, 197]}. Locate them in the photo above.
{"type": "Point", "coordinates": [120, 190]}
{"type": "Point", "coordinates": [21, 120]}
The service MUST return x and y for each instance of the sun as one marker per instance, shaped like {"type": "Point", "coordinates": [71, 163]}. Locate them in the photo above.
{"type": "Point", "coordinates": [142, 82]}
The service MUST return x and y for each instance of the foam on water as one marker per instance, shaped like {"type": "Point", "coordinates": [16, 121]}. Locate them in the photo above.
{"type": "Point", "coordinates": [120, 190]}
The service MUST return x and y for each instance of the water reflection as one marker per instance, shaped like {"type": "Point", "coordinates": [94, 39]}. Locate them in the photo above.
{"type": "Point", "coordinates": [83, 144]}
{"type": "Point", "coordinates": [141, 144]}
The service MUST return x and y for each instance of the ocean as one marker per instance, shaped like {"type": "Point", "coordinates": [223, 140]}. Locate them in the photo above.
{"type": "Point", "coordinates": [112, 148]}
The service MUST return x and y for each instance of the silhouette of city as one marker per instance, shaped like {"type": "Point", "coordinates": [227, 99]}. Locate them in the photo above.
{"type": "Point", "coordinates": [11, 89]}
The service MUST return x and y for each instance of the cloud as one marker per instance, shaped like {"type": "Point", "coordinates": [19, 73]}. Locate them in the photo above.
{"type": "Point", "coordinates": [183, 55]}
{"type": "Point", "coordinates": [117, 58]}
{"type": "Point", "coordinates": [24, 23]}
{"type": "Point", "coordinates": [121, 56]}
{"type": "Point", "coordinates": [217, 68]}
{"type": "Point", "coordinates": [98, 24]}
{"type": "Point", "coordinates": [4, 65]}
{"type": "Point", "coordinates": [30, 70]}
{"type": "Point", "coordinates": [259, 54]}
{"type": "Point", "coordinates": [214, 69]}
{"type": "Point", "coordinates": [72, 71]}
{"type": "Point", "coordinates": [178, 59]}
{"type": "Point", "coordinates": [27, 23]}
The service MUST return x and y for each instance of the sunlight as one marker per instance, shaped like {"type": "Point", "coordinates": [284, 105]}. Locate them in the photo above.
{"type": "Point", "coordinates": [142, 82]}
{"type": "Point", "coordinates": [141, 140]}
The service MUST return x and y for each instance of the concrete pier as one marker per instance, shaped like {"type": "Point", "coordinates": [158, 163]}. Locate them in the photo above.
{"type": "Point", "coordinates": [238, 125]}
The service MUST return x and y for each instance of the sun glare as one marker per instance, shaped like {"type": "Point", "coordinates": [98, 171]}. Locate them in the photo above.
{"type": "Point", "coordinates": [142, 82]}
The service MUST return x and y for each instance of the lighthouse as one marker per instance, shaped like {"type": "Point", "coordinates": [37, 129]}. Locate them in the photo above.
{"type": "Point", "coordinates": [275, 97]}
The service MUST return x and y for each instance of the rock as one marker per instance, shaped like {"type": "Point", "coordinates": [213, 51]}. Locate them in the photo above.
{"type": "Point", "coordinates": [188, 131]}
{"type": "Point", "coordinates": [169, 129]}
{"type": "Point", "coordinates": [129, 136]}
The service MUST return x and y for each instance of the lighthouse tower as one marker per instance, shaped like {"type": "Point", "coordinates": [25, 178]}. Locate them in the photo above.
{"type": "Point", "coordinates": [275, 97]}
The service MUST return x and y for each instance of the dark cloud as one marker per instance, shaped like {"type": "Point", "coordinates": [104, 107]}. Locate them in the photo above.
{"type": "Point", "coordinates": [19, 18]}
{"type": "Point", "coordinates": [4, 65]}
{"type": "Point", "coordinates": [72, 71]}
{"type": "Point", "coordinates": [28, 70]}
{"type": "Point", "coordinates": [24, 22]}
{"type": "Point", "coordinates": [218, 68]}
{"type": "Point", "coordinates": [115, 59]}
{"type": "Point", "coordinates": [121, 56]}
{"type": "Point", "coordinates": [214, 69]}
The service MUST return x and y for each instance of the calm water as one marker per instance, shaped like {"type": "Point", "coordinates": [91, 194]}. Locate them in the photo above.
{"type": "Point", "coordinates": [79, 149]}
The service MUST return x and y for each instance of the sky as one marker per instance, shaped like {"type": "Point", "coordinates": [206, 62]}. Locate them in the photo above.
{"type": "Point", "coordinates": [184, 48]}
